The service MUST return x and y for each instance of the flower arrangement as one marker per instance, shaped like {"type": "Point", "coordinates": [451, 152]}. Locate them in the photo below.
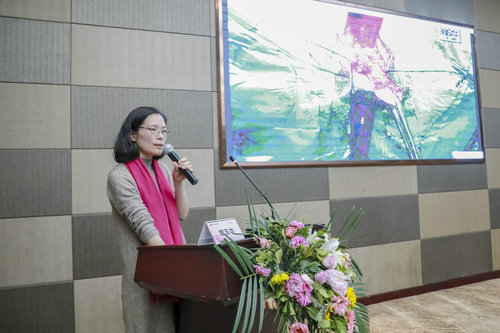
{"type": "Point", "coordinates": [303, 274]}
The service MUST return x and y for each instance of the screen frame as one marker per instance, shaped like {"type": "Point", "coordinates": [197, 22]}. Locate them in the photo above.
{"type": "Point", "coordinates": [222, 71]}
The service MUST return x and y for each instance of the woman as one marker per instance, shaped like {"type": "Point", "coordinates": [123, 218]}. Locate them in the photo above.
{"type": "Point", "coordinates": [147, 199]}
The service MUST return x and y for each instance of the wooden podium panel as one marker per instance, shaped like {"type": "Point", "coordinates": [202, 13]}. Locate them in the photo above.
{"type": "Point", "coordinates": [200, 276]}
{"type": "Point", "coordinates": [197, 273]}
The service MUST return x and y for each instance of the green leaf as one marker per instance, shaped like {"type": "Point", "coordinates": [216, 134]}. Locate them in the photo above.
{"type": "Point", "coordinates": [229, 260]}
{"type": "Point", "coordinates": [253, 302]}
{"type": "Point", "coordinates": [278, 255]}
{"type": "Point", "coordinates": [248, 303]}
{"type": "Point", "coordinates": [261, 308]}
{"type": "Point", "coordinates": [323, 292]}
{"type": "Point", "coordinates": [241, 304]}
{"type": "Point", "coordinates": [324, 323]}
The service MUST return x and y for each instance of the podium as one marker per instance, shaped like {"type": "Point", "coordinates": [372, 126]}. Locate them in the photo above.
{"type": "Point", "coordinates": [199, 275]}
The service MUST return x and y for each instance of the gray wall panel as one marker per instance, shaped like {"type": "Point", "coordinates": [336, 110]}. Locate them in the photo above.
{"type": "Point", "coordinates": [494, 195]}
{"type": "Point", "coordinates": [491, 119]}
{"type": "Point", "coordinates": [278, 184]}
{"type": "Point", "coordinates": [97, 114]}
{"type": "Point", "coordinates": [455, 177]}
{"type": "Point", "coordinates": [386, 219]}
{"type": "Point", "coordinates": [35, 183]}
{"type": "Point", "coordinates": [460, 11]}
{"type": "Point", "coordinates": [487, 49]}
{"type": "Point", "coordinates": [95, 247]}
{"type": "Point", "coordinates": [34, 51]}
{"type": "Point", "coordinates": [194, 222]}
{"type": "Point", "coordinates": [42, 308]}
{"type": "Point", "coordinates": [184, 16]}
{"type": "Point", "coordinates": [452, 257]}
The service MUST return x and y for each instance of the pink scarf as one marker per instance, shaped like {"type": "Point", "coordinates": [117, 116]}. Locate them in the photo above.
{"type": "Point", "coordinates": [159, 200]}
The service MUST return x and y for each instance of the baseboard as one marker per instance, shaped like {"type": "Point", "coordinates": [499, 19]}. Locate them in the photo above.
{"type": "Point", "coordinates": [428, 288]}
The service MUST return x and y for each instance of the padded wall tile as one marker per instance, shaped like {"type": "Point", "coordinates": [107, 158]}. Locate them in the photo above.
{"type": "Point", "coordinates": [487, 49]}
{"type": "Point", "coordinates": [278, 184]}
{"type": "Point", "coordinates": [372, 182]}
{"type": "Point", "coordinates": [95, 247]}
{"type": "Point", "coordinates": [486, 12]}
{"type": "Point", "coordinates": [35, 250]}
{"type": "Point", "coordinates": [98, 305]}
{"type": "Point", "coordinates": [451, 213]}
{"type": "Point", "coordinates": [389, 267]}
{"type": "Point", "coordinates": [203, 193]}
{"type": "Point", "coordinates": [491, 119]}
{"type": "Point", "coordinates": [460, 11]}
{"type": "Point", "coordinates": [191, 227]}
{"type": "Point", "coordinates": [493, 167]}
{"type": "Point", "coordinates": [386, 219]}
{"type": "Point", "coordinates": [42, 308]}
{"type": "Point", "coordinates": [398, 5]}
{"type": "Point", "coordinates": [452, 257]}
{"type": "Point", "coordinates": [495, 247]}
{"type": "Point", "coordinates": [35, 183]}
{"type": "Point", "coordinates": [97, 114]}
{"type": "Point", "coordinates": [143, 59]}
{"type": "Point", "coordinates": [34, 116]}
{"type": "Point", "coordinates": [215, 120]}
{"type": "Point", "coordinates": [313, 212]}
{"type": "Point", "coordinates": [213, 19]}
{"type": "Point", "coordinates": [454, 177]}
{"type": "Point", "coordinates": [34, 51]}
{"type": "Point", "coordinates": [490, 98]}
{"type": "Point", "coordinates": [184, 16]}
{"type": "Point", "coordinates": [50, 10]}
{"type": "Point", "coordinates": [89, 175]}
{"type": "Point", "coordinates": [494, 199]}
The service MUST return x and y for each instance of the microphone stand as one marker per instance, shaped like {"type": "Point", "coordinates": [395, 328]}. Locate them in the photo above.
{"type": "Point", "coordinates": [256, 187]}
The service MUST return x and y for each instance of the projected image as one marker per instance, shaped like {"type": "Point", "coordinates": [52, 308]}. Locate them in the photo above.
{"type": "Point", "coordinates": [317, 81]}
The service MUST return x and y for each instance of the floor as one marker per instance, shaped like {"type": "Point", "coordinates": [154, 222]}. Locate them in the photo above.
{"type": "Point", "coordinates": [469, 308]}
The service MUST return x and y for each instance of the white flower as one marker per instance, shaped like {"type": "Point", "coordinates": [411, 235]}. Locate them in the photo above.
{"type": "Point", "coordinates": [331, 245]}
{"type": "Point", "coordinates": [312, 237]}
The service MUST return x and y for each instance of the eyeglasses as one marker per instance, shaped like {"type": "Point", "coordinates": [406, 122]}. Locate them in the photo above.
{"type": "Point", "coordinates": [154, 131]}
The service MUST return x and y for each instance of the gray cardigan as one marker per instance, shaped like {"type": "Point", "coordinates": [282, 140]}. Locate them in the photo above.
{"type": "Point", "coordinates": [134, 226]}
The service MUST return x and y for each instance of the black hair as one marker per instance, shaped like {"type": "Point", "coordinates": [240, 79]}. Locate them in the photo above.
{"type": "Point", "coordinates": [125, 150]}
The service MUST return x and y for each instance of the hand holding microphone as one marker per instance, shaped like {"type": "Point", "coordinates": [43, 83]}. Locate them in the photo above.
{"type": "Point", "coordinates": [169, 150]}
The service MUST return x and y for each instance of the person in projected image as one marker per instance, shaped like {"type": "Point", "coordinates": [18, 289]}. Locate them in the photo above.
{"type": "Point", "coordinates": [367, 60]}
{"type": "Point", "coordinates": [147, 199]}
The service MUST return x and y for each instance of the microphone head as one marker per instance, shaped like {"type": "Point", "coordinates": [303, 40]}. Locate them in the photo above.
{"type": "Point", "coordinates": [232, 158]}
{"type": "Point", "coordinates": [167, 148]}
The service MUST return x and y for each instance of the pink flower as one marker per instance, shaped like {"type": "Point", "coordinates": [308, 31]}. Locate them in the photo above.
{"type": "Point", "coordinates": [299, 328]}
{"type": "Point", "coordinates": [347, 262]}
{"type": "Point", "coordinates": [262, 270]}
{"type": "Point", "coordinates": [271, 303]}
{"type": "Point", "coordinates": [340, 305]}
{"type": "Point", "coordinates": [321, 276]}
{"type": "Point", "coordinates": [296, 287]}
{"type": "Point", "coordinates": [298, 240]}
{"type": "Point", "coordinates": [336, 281]}
{"type": "Point", "coordinates": [264, 243]}
{"type": "Point", "coordinates": [330, 261]}
{"type": "Point", "coordinates": [350, 321]}
{"type": "Point", "coordinates": [290, 232]}
{"type": "Point", "coordinates": [296, 224]}
{"type": "Point", "coordinates": [292, 228]}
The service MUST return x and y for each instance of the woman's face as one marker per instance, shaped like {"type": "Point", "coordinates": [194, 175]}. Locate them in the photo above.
{"type": "Point", "coordinates": [149, 138]}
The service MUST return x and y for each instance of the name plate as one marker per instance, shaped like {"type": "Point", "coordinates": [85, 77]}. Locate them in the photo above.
{"type": "Point", "coordinates": [215, 231]}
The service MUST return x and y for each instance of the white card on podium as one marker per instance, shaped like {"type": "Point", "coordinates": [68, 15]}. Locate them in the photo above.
{"type": "Point", "coordinates": [214, 232]}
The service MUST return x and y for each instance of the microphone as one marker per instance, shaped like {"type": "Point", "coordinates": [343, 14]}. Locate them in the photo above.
{"type": "Point", "coordinates": [256, 187]}
{"type": "Point", "coordinates": [169, 150]}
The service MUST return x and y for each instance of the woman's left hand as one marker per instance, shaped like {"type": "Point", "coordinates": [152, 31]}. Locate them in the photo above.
{"type": "Point", "coordinates": [184, 164]}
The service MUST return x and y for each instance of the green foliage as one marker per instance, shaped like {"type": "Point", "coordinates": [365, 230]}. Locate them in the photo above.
{"type": "Point", "coordinates": [280, 252]}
